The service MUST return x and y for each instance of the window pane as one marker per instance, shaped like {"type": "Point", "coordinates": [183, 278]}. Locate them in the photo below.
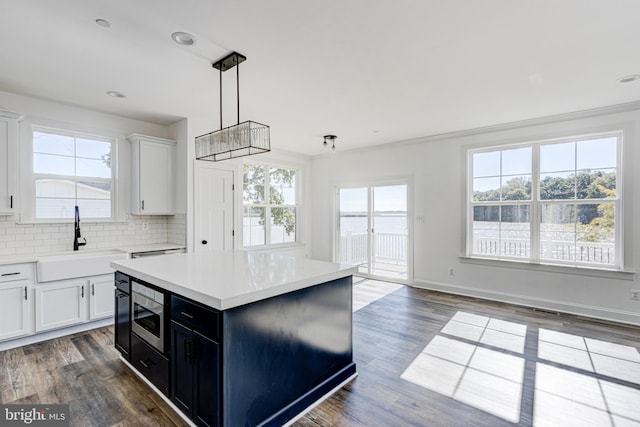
{"type": "Point", "coordinates": [50, 143]}
{"type": "Point", "coordinates": [253, 180]}
{"type": "Point", "coordinates": [486, 164]}
{"type": "Point", "coordinates": [253, 226]}
{"type": "Point", "coordinates": [597, 153]}
{"type": "Point", "coordinates": [557, 232]}
{"type": "Point", "coordinates": [558, 157]}
{"type": "Point", "coordinates": [49, 208]}
{"type": "Point", "coordinates": [93, 168]}
{"type": "Point", "coordinates": [555, 186]}
{"type": "Point", "coordinates": [283, 225]}
{"type": "Point", "coordinates": [517, 188]}
{"type": "Point", "coordinates": [94, 190]}
{"type": "Point", "coordinates": [517, 161]}
{"type": "Point", "coordinates": [53, 164]}
{"type": "Point", "coordinates": [55, 188]}
{"type": "Point", "coordinates": [94, 208]}
{"type": "Point", "coordinates": [92, 149]}
{"type": "Point", "coordinates": [486, 230]}
{"type": "Point", "coordinates": [515, 235]}
{"type": "Point", "coordinates": [595, 240]}
{"type": "Point", "coordinates": [282, 187]}
{"type": "Point", "coordinates": [486, 189]}
{"type": "Point", "coordinates": [596, 185]}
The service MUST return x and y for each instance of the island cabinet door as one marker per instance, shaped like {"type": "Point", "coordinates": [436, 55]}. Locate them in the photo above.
{"type": "Point", "coordinates": [195, 386]}
{"type": "Point", "coordinates": [207, 381]}
{"type": "Point", "coordinates": [182, 372]}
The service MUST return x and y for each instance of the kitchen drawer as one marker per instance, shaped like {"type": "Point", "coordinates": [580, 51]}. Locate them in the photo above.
{"type": "Point", "coordinates": [15, 272]}
{"type": "Point", "coordinates": [198, 317]}
{"type": "Point", "coordinates": [153, 365]}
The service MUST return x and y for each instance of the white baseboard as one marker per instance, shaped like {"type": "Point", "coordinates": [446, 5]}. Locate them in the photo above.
{"type": "Point", "coordinates": [603, 313]}
{"type": "Point", "coordinates": [57, 333]}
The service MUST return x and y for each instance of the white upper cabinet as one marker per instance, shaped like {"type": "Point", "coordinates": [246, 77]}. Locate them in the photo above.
{"type": "Point", "coordinates": [153, 175]}
{"type": "Point", "coordinates": [8, 161]}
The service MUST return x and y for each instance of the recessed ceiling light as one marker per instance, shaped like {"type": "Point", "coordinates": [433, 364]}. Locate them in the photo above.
{"type": "Point", "coordinates": [116, 94]}
{"type": "Point", "coordinates": [103, 23]}
{"type": "Point", "coordinates": [629, 78]}
{"type": "Point", "coordinates": [185, 39]}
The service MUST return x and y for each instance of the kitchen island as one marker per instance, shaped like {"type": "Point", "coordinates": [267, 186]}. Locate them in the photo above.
{"type": "Point", "coordinates": [247, 338]}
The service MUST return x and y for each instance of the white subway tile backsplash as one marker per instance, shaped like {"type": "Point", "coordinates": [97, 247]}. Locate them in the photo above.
{"type": "Point", "coordinates": [43, 238]}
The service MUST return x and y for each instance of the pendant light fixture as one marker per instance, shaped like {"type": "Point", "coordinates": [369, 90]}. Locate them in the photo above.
{"type": "Point", "coordinates": [241, 139]}
{"type": "Point", "coordinates": [330, 139]}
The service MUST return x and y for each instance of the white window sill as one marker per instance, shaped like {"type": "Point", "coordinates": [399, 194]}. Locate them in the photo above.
{"type": "Point", "coordinates": [551, 268]}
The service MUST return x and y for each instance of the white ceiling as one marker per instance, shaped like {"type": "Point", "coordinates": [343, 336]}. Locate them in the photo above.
{"type": "Point", "coordinates": [371, 72]}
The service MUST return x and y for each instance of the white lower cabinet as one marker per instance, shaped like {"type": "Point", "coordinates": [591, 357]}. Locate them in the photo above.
{"type": "Point", "coordinates": [60, 304]}
{"type": "Point", "coordinates": [15, 313]}
{"type": "Point", "coordinates": [16, 299]}
{"type": "Point", "coordinates": [70, 302]}
{"type": "Point", "coordinates": [101, 299]}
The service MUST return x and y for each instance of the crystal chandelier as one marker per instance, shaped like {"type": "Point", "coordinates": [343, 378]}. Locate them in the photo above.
{"type": "Point", "coordinates": [241, 139]}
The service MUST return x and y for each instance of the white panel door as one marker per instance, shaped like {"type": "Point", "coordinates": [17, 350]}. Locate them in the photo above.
{"type": "Point", "coordinates": [101, 298]}
{"type": "Point", "coordinates": [60, 304]}
{"type": "Point", "coordinates": [213, 222]}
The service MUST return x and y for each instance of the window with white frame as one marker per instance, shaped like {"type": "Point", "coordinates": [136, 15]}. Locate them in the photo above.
{"type": "Point", "coordinates": [554, 202]}
{"type": "Point", "coordinates": [270, 205]}
{"type": "Point", "coordinates": [69, 170]}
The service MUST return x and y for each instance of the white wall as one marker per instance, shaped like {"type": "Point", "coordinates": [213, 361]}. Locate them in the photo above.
{"type": "Point", "coordinates": [437, 166]}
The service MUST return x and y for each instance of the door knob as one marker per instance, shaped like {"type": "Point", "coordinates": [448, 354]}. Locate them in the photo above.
{"type": "Point", "coordinates": [204, 242]}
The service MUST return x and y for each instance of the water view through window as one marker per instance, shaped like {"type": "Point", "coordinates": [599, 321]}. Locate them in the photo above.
{"type": "Point", "coordinates": [373, 230]}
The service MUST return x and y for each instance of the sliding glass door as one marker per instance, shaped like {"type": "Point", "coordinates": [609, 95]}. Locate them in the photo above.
{"type": "Point", "coordinates": [373, 230]}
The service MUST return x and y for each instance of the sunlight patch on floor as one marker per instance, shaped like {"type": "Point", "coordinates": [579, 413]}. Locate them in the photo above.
{"type": "Point", "coordinates": [481, 377]}
{"type": "Point", "coordinates": [367, 291]}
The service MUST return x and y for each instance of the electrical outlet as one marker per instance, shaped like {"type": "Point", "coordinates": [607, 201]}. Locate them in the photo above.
{"type": "Point", "coordinates": [451, 272]}
{"type": "Point", "coordinates": [145, 226]}
{"type": "Point", "coordinates": [635, 294]}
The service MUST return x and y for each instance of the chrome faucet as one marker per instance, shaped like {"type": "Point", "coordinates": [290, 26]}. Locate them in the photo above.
{"type": "Point", "coordinates": [78, 240]}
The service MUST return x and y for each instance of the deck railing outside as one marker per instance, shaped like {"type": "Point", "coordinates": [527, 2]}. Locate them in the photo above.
{"type": "Point", "coordinates": [587, 252]}
{"type": "Point", "coordinates": [387, 247]}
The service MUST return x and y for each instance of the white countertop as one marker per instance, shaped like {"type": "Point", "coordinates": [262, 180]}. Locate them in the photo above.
{"type": "Point", "coordinates": [224, 280]}
{"type": "Point", "coordinates": [23, 258]}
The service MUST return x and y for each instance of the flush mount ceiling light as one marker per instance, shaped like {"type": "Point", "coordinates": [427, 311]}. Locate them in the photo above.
{"type": "Point", "coordinates": [330, 141]}
{"type": "Point", "coordinates": [116, 94]}
{"type": "Point", "coordinates": [630, 78]}
{"type": "Point", "coordinates": [241, 139]}
{"type": "Point", "coordinates": [184, 39]}
{"type": "Point", "coordinates": [103, 23]}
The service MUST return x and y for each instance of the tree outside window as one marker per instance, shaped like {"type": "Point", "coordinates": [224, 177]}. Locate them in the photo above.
{"type": "Point", "coordinates": [573, 190]}
{"type": "Point", "coordinates": [269, 205]}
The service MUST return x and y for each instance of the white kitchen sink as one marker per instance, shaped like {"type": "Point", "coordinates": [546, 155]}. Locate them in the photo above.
{"type": "Point", "coordinates": [70, 265]}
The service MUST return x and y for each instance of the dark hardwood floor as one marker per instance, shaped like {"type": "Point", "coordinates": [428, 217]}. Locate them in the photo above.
{"type": "Point", "coordinates": [409, 347]}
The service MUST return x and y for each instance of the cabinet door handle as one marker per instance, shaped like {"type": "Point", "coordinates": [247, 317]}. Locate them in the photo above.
{"type": "Point", "coordinates": [10, 274]}
{"type": "Point", "coordinates": [93, 289]}
{"type": "Point", "coordinates": [187, 351]}
{"type": "Point", "coordinates": [11, 202]}
{"type": "Point", "coordinates": [26, 295]}
{"type": "Point", "coordinates": [145, 364]}
{"type": "Point", "coordinates": [186, 315]}
{"type": "Point", "coordinates": [143, 205]}
{"type": "Point", "coordinates": [82, 292]}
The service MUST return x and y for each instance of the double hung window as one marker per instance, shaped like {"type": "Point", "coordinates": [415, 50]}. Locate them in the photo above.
{"type": "Point", "coordinates": [270, 205]}
{"type": "Point", "coordinates": [548, 202]}
{"type": "Point", "coordinates": [69, 170]}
